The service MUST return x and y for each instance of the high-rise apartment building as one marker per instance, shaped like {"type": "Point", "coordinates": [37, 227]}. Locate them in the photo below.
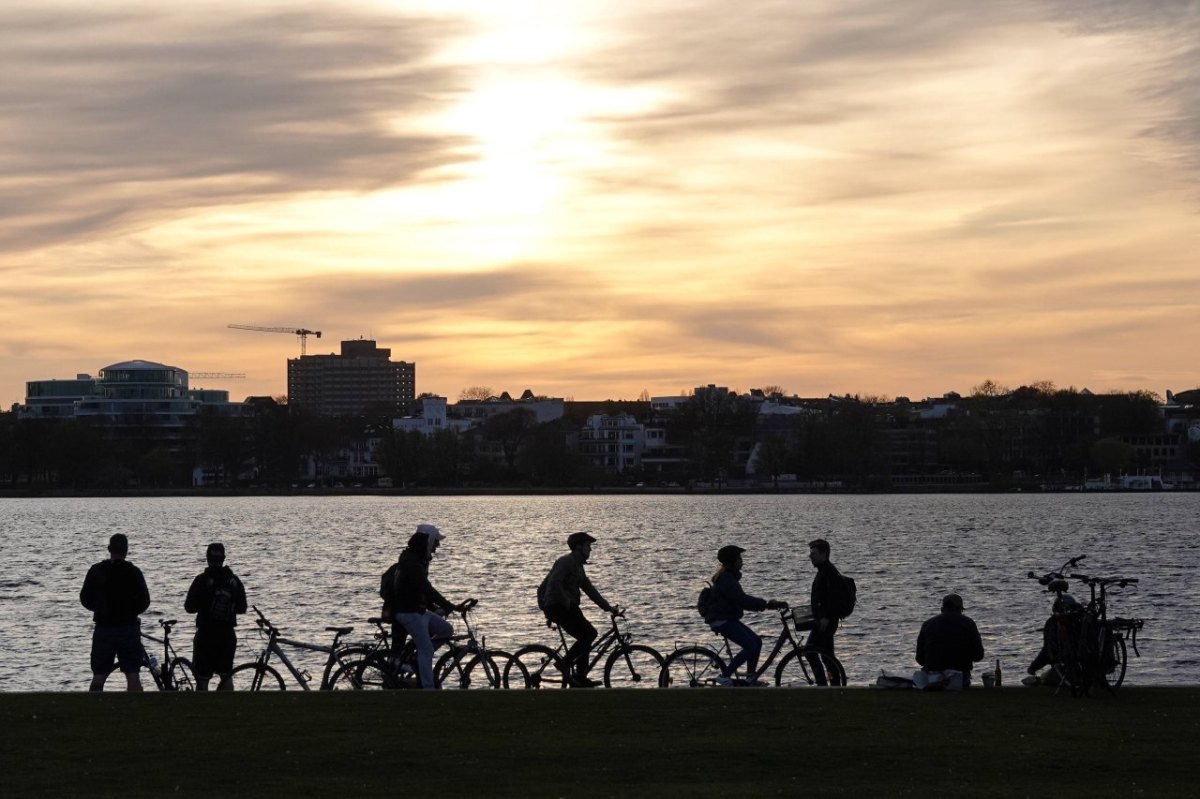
{"type": "Point", "coordinates": [361, 381]}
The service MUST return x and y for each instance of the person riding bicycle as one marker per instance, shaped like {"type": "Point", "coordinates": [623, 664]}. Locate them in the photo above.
{"type": "Point", "coordinates": [115, 591]}
{"type": "Point", "coordinates": [416, 600]}
{"type": "Point", "coordinates": [216, 596]}
{"type": "Point", "coordinates": [950, 641]}
{"type": "Point", "coordinates": [558, 598]}
{"type": "Point", "coordinates": [727, 604]}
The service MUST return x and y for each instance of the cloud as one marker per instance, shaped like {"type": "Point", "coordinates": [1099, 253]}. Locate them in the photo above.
{"type": "Point", "coordinates": [110, 119]}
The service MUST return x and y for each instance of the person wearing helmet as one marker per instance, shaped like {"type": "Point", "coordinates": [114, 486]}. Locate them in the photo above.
{"type": "Point", "coordinates": [559, 598]}
{"type": "Point", "coordinates": [724, 612]}
{"type": "Point", "coordinates": [416, 600]}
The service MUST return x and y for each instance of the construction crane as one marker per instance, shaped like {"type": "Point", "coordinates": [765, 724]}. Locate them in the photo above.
{"type": "Point", "coordinates": [217, 375]}
{"type": "Point", "coordinates": [301, 332]}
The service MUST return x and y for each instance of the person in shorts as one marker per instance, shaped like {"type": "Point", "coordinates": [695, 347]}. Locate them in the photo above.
{"type": "Point", "coordinates": [115, 591]}
{"type": "Point", "coordinates": [217, 597]}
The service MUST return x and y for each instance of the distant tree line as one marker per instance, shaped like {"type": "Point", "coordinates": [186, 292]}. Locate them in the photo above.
{"type": "Point", "coordinates": [994, 434]}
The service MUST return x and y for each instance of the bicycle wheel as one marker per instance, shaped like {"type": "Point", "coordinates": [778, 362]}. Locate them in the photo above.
{"type": "Point", "coordinates": [454, 672]}
{"type": "Point", "coordinates": [691, 667]}
{"type": "Point", "coordinates": [256, 677]}
{"type": "Point", "coordinates": [1113, 672]}
{"type": "Point", "coordinates": [353, 653]}
{"type": "Point", "coordinates": [345, 678]}
{"type": "Point", "coordinates": [633, 666]}
{"type": "Point", "coordinates": [534, 666]}
{"type": "Point", "coordinates": [381, 671]}
{"type": "Point", "coordinates": [181, 676]}
{"type": "Point", "coordinates": [795, 670]}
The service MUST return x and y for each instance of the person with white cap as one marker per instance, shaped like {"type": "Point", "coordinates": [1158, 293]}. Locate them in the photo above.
{"type": "Point", "coordinates": [558, 598]}
{"type": "Point", "coordinates": [415, 599]}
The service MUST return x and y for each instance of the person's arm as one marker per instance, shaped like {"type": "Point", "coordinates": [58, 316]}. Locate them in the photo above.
{"type": "Point", "coordinates": [435, 598]}
{"type": "Point", "coordinates": [732, 589]}
{"type": "Point", "coordinates": [977, 642]}
{"type": "Point", "coordinates": [191, 604]}
{"type": "Point", "coordinates": [923, 645]}
{"type": "Point", "coordinates": [592, 593]}
{"type": "Point", "coordinates": [143, 592]}
{"type": "Point", "coordinates": [239, 600]}
{"type": "Point", "coordinates": [87, 594]}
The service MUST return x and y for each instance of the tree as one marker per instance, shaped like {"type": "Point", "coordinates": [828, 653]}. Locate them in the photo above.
{"type": "Point", "coordinates": [509, 430]}
{"type": "Point", "coordinates": [1110, 456]}
{"type": "Point", "coordinates": [475, 393]}
{"type": "Point", "coordinates": [774, 392]}
{"type": "Point", "coordinates": [772, 458]}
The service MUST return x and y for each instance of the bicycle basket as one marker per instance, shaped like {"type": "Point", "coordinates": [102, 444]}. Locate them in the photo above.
{"type": "Point", "coordinates": [802, 618]}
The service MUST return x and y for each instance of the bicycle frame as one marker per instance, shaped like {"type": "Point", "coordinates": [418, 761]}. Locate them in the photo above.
{"type": "Point", "coordinates": [161, 672]}
{"type": "Point", "coordinates": [785, 636]}
{"type": "Point", "coordinates": [613, 636]}
{"type": "Point", "coordinates": [274, 639]}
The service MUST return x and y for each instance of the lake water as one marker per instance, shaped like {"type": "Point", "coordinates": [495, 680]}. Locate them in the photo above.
{"type": "Point", "coordinates": [309, 562]}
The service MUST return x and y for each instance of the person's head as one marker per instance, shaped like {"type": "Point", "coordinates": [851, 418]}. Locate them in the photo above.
{"type": "Point", "coordinates": [426, 539]}
{"type": "Point", "coordinates": [731, 557]}
{"type": "Point", "coordinates": [581, 545]}
{"type": "Point", "coordinates": [952, 603]}
{"type": "Point", "coordinates": [215, 554]}
{"type": "Point", "coordinates": [118, 546]}
{"type": "Point", "coordinates": [818, 551]}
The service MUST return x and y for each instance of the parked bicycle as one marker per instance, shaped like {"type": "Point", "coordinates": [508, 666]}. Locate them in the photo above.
{"type": "Point", "coordinates": [172, 673]}
{"type": "Point", "coordinates": [466, 663]}
{"type": "Point", "coordinates": [628, 665]}
{"type": "Point", "coordinates": [1085, 648]}
{"type": "Point", "coordinates": [260, 675]}
{"type": "Point", "coordinates": [699, 666]}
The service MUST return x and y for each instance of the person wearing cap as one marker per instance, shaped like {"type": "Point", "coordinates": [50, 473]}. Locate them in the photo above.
{"type": "Point", "coordinates": [115, 591]}
{"type": "Point", "coordinates": [727, 605]}
{"type": "Point", "coordinates": [416, 600]}
{"type": "Point", "coordinates": [950, 640]}
{"type": "Point", "coordinates": [559, 598]}
{"type": "Point", "coordinates": [216, 596]}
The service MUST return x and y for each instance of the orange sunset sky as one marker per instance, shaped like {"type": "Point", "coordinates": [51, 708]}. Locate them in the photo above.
{"type": "Point", "coordinates": [589, 199]}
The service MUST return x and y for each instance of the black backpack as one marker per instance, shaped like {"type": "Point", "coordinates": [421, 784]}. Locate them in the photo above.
{"type": "Point", "coordinates": [847, 596]}
{"type": "Point", "coordinates": [704, 600]}
{"type": "Point", "coordinates": [387, 586]}
{"type": "Point", "coordinates": [222, 607]}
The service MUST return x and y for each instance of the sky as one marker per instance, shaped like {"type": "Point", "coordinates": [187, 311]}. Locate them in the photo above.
{"type": "Point", "coordinates": [592, 199]}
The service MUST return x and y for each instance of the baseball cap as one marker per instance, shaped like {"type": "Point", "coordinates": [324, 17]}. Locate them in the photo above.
{"type": "Point", "coordinates": [575, 539]}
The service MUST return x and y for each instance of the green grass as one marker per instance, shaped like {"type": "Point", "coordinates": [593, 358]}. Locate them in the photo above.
{"type": "Point", "coordinates": [732, 742]}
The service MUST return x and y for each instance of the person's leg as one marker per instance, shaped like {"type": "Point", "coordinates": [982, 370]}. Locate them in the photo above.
{"type": "Point", "coordinates": [201, 659]}
{"type": "Point", "coordinates": [578, 627]}
{"type": "Point", "coordinates": [225, 646]}
{"type": "Point", "coordinates": [104, 650]}
{"type": "Point", "coordinates": [750, 646]}
{"type": "Point", "coordinates": [129, 655]}
{"type": "Point", "coordinates": [417, 625]}
{"type": "Point", "coordinates": [821, 639]}
{"type": "Point", "coordinates": [440, 630]}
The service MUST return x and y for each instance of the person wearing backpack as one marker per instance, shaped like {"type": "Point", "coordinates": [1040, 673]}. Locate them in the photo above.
{"type": "Point", "coordinates": [832, 600]}
{"type": "Point", "coordinates": [558, 597]}
{"type": "Point", "coordinates": [216, 596]}
{"type": "Point", "coordinates": [115, 591]}
{"type": "Point", "coordinates": [723, 611]}
{"type": "Point", "coordinates": [415, 600]}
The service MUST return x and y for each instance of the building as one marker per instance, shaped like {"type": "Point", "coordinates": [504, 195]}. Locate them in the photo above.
{"type": "Point", "coordinates": [362, 381]}
{"type": "Point", "coordinates": [544, 409]}
{"type": "Point", "coordinates": [56, 399]}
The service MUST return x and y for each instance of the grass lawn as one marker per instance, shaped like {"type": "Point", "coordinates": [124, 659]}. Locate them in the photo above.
{"type": "Point", "coordinates": [730, 742]}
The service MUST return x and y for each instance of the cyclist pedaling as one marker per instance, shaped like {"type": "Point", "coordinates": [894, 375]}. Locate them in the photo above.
{"type": "Point", "coordinates": [726, 604]}
{"type": "Point", "coordinates": [558, 598]}
{"type": "Point", "coordinates": [416, 600]}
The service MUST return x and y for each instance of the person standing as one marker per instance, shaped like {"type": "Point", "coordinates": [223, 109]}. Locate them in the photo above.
{"type": "Point", "coordinates": [115, 591]}
{"type": "Point", "coordinates": [727, 603]}
{"type": "Point", "coordinates": [217, 597]}
{"type": "Point", "coordinates": [828, 598]}
{"type": "Point", "coordinates": [950, 640]}
{"type": "Point", "coordinates": [415, 600]}
{"type": "Point", "coordinates": [558, 598]}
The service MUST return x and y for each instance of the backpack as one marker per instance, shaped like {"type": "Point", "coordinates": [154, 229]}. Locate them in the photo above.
{"type": "Point", "coordinates": [221, 607]}
{"type": "Point", "coordinates": [387, 590]}
{"type": "Point", "coordinates": [847, 596]}
{"type": "Point", "coordinates": [705, 600]}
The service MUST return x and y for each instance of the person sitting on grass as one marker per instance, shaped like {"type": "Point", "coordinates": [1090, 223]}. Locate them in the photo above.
{"type": "Point", "coordinates": [950, 641]}
{"type": "Point", "coordinates": [727, 604]}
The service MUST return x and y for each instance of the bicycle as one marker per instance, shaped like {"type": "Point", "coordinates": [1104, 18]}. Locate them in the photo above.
{"type": "Point", "coordinates": [700, 667]}
{"type": "Point", "coordinates": [467, 662]}
{"type": "Point", "coordinates": [259, 675]}
{"type": "Point", "coordinates": [178, 674]}
{"type": "Point", "coordinates": [628, 665]}
{"type": "Point", "coordinates": [1083, 646]}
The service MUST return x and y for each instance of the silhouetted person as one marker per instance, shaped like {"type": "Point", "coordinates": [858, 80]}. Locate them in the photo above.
{"type": "Point", "coordinates": [727, 603]}
{"type": "Point", "coordinates": [416, 600]}
{"type": "Point", "coordinates": [115, 591]}
{"type": "Point", "coordinates": [828, 600]}
{"type": "Point", "coordinates": [950, 640]}
{"type": "Point", "coordinates": [558, 599]}
{"type": "Point", "coordinates": [216, 596]}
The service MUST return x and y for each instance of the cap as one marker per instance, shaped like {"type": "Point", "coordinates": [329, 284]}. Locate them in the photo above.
{"type": "Point", "coordinates": [215, 551]}
{"type": "Point", "coordinates": [575, 539]}
{"type": "Point", "coordinates": [729, 554]}
{"type": "Point", "coordinates": [431, 531]}
{"type": "Point", "coordinates": [118, 544]}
